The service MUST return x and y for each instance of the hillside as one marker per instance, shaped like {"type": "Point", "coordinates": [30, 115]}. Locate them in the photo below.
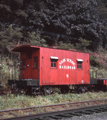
{"type": "Point", "coordinates": [75, 25]}
{"type": "Point", "coordinates": [54, 20]}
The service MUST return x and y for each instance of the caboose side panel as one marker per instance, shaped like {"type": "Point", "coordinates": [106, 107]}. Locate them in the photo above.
{"type": "Point", "coordinates": [86, 68]}
{"type": "Point", "coordinates": [71, 61]}
{"type": "Point", "coordinates": [53, 67]}
{"type": "Point", "coordinates": [62, 73]}
{"type": "Point", "coordinates": [48, 75]}
{"type": "Point", "coordinates": [82, 68]}
{"type": "Point", "coordinates": [66, 67]}
{"type": "Point", "coordinates": [61, 67]}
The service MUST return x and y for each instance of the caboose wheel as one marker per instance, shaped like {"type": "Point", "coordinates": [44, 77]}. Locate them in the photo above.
{"type": "Point", "coordinates": [80, 89]}
{"type": "Point", "coordinates": [92, 88]}
{"type": "Point", "coordinates": [48, 90]}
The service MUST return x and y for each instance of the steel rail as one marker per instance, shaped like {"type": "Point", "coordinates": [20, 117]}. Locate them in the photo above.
{"type": "Point", "coordinates": [55, 107]}
{"type": "Point", "coordinates": [62, 113]}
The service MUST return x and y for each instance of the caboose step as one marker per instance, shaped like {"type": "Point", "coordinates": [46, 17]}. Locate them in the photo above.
{"type": "Point", "coordinates": [35, 87]}
{"type": "Point", "coordinates": [35, 90]}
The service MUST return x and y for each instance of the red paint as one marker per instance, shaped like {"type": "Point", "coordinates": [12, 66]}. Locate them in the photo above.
{"type": "Point", "coordinates": [63, 72]}
{"type": "Point", "coordinates": [105, 82]}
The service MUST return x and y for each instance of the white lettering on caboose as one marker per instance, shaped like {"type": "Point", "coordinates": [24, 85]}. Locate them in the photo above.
{"type": "Point", "coordinates": [62, 64]}
{"type": "Point", "coordinates": [62, 61]}
{"type": "Point", "coordinates": [69, 60]}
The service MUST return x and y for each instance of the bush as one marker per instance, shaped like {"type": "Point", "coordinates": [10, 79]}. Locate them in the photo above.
{"type": "Point", "coordinates": [83, 44]}
{"type": "Point", "coordinates": [94, 62]}
{"type": "Point", "coordinates": [8, 70]}
{"type": "Point", "coordinates": [66, 46]}
{"type": "Point", "coordinates": [34, 38]}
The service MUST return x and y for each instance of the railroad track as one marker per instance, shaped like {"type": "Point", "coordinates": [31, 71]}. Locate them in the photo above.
{"type": "Point", "coordinates": [54, 111]}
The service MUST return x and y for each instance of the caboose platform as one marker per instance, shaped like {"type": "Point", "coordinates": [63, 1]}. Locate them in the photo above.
{"type": "Point", "coordinates": [24, 82]}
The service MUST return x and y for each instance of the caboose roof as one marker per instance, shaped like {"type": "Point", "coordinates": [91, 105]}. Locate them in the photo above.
{"type": "Point", "coordinates": [23, 48]}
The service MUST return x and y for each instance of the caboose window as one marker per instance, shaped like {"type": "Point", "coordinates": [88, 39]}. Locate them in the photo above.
{"type": "Point", "coordinates": [35, 61]}
{"type": "Point", "coordinates": [30, 56]}
{"type": "Point", "coordinates": [79, 64]}
{"type": "Point", "coordinates": [53, 62]}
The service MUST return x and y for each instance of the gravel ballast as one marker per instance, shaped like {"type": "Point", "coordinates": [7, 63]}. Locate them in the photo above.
{"type": "Point", "coordinates": [94, 116]}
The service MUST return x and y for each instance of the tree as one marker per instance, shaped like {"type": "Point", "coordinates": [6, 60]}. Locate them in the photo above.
{"type": "Point", "coordinates": [83, 44]}
{"type": "Point", "coordinates": [10, 37]}
{"type": "Point", "coordinates": [75, 18]}
{"type": "Point", "coordinates": [34, 38]}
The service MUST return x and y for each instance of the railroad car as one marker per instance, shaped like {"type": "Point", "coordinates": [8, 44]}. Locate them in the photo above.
{"type": "Point", "coordinates": [43, 69]}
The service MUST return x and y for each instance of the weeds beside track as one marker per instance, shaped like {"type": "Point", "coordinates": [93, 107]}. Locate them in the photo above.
{"type": "Point", "coordinates": [52, 109]}
{"type": "Point", "coordinates": [21, 101]}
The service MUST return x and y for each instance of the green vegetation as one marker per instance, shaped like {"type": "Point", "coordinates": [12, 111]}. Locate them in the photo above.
{"type": "Point", "coordinates": [9, 69]}
{"type": "Point", "coordinates": [35, 39]}
{"type": "Point", "coordinates": [10, 37]}
{"type": "Point", "coordinates": [101, 73]}
{"type": "Point", "coordinates": [54, 19]}
{"type": "Point", "coordinates": [69, 25]}
{"type": "Point", "coordinates": [66, 46]}
{"type": "Point", "coordinates": [83, 44]}
{"type": "Point", "coordinates": [95, 62]}
{"type": "Point", "coordinates": [11, 102]}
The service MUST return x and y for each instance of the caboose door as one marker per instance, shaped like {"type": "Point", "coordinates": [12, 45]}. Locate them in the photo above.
{"type": "Point", "coordinates": [23, 65]}
{"type": "Point", "coordinates": [29, 66]}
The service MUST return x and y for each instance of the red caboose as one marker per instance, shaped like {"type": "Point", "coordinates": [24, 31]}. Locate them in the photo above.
{"type": "Point", "coordinates": [44, 68]}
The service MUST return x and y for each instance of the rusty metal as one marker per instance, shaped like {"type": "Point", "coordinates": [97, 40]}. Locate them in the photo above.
{"type": "Point", "coordinates": [62, 113]}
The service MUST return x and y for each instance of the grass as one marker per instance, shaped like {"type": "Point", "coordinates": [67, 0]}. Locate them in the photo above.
{"type": "Point", "coordinates": [101, 73]}
{"type": "Point", "coordinates": [12, 102]}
